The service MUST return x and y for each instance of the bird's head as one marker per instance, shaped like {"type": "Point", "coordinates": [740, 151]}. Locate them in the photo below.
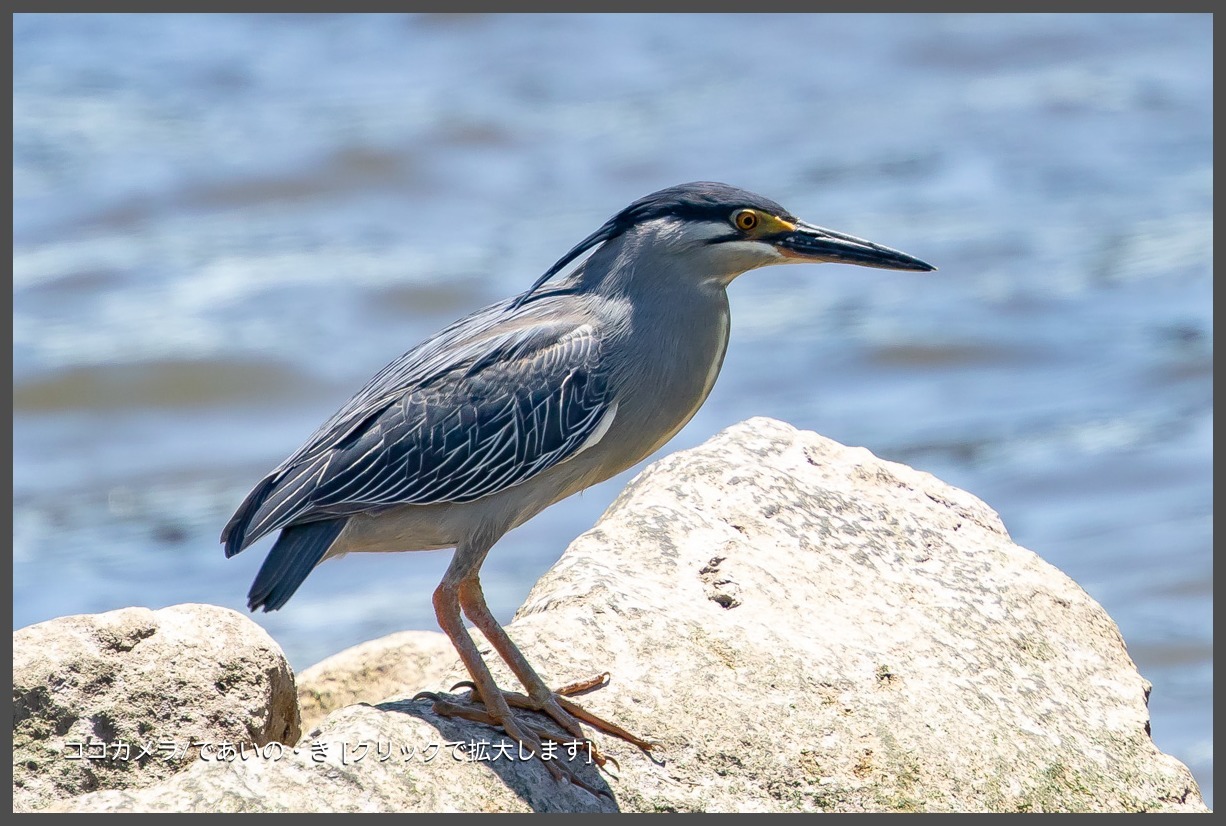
{"type": "Point", "coordinates": [716, 232]}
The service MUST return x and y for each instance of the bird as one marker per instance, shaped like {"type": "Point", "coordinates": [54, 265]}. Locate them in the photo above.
{"type": "Point", "coordinates": [521, 404]}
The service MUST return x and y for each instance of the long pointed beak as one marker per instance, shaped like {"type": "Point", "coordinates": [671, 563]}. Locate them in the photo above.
{"type": "Point", "coordinates": [810, 243]}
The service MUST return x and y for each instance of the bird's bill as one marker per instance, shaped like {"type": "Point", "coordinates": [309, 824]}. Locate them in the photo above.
{"type": "Point", "coordinates": [809, 243]}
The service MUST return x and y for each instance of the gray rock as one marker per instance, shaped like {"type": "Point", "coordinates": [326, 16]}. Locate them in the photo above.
{"type": "Point", "coordinates": [116, 700]}
{"type": "Point", "coordinates": [802, 627]}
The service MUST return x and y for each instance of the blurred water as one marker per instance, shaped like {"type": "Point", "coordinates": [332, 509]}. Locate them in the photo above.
{"type": "Point", "coordinates": [224, 224]}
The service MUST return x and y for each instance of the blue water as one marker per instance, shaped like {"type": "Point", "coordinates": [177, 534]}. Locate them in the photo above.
{"type": "Point", "coordinates": [224, 224]}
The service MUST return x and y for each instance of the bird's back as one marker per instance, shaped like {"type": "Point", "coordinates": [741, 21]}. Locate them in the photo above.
{"type": "Point", "coordinates": [489, 402]}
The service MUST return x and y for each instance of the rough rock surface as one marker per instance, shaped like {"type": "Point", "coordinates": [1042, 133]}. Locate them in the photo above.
{"type": "Point", "coordinates": [115, 700]}
{"type": "Point", "coordinates": [376, 670]}
{"type": "Point", "coordinates": [801, 626]}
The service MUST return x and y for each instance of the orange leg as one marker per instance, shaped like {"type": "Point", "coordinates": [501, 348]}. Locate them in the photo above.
{"type": "Point", "coordinates": [540, 696]}
{"type": "Point", "coordinates": [460, 593]}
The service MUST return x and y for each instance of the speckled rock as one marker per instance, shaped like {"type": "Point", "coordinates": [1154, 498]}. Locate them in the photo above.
{"type": "Point", "coordinates": [117, 700]}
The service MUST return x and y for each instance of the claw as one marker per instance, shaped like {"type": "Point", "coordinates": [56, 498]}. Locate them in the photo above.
{"type": "Point", "coordinates": [584, 686]}
{"type": "Point", "coordinates": [605, 726]}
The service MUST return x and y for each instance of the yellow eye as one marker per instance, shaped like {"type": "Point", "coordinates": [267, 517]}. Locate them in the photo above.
{"type": "Point", "coordinates": [745, 220]}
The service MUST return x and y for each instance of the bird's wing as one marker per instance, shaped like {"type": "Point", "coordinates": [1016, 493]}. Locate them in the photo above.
{"type": "Point", "coordinates": [482, 407]}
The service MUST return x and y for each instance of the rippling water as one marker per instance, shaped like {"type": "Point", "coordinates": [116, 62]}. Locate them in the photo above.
{"type": "Point", "coordinates": [224, 224]}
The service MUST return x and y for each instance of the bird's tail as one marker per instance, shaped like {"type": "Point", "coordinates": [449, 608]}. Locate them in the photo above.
{"type": "Point", "coordinates": [297, 551]}
{"type": "Point", "coordinates": [234, 535]}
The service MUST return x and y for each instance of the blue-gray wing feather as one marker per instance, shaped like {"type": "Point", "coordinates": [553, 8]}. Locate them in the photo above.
{"type": "Point", "coordinates": [489, 403]}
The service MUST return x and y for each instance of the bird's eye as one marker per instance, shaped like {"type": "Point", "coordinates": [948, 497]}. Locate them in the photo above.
{"type": "Point", "coordinates": [745, 220]}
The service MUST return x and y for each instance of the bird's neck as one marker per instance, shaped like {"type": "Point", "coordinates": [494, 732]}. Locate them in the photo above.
{"type": "Point", "coordinates": [679, 338]}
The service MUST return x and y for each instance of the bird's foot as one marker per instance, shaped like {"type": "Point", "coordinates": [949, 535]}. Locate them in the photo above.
{"type": "Point", "coordinates": [556, 705]}
{"type": "Point", "coordinates": [567, 713]}
{"type": "Point", "coordinates": [528, 734]}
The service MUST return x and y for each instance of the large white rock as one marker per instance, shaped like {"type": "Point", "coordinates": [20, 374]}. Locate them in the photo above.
{"type": "Point", "coordinates": [802, 627]}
